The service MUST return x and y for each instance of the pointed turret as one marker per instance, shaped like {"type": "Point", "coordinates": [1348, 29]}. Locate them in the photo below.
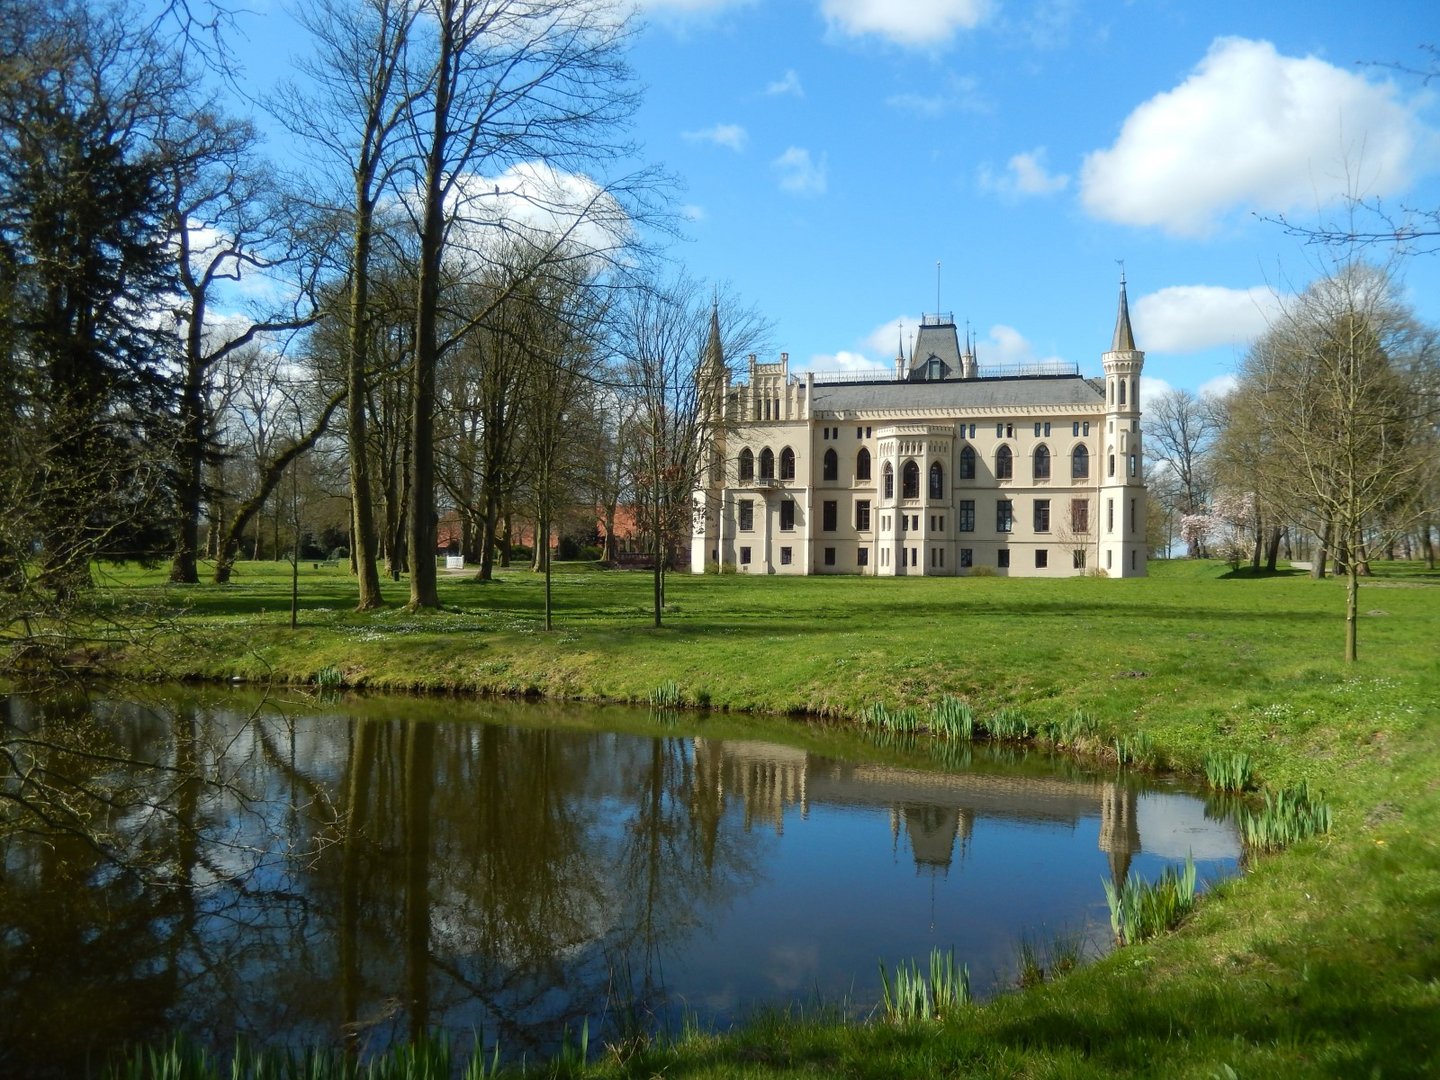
{"type": "Point", "coordinates": [1122, 481]}
{"type": "Point", "coordinates": [1124, 338]}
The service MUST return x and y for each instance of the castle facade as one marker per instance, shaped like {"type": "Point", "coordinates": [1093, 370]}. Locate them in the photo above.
{"type": "Point", "coordinates": [941, 470]}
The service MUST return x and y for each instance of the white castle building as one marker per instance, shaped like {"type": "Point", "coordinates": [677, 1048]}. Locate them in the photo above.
{"type": "Point", "coordinates": [940, 470]}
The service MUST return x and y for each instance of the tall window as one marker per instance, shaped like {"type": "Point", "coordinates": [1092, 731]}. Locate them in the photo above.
{"type": "Point", "coordinates": [1004, 516]}
{"type": "Point", "coordinates": [767, 464]}
{"type": "Point", "coordinates": [887, 481]}
{"type": "Point", "coordinates": [1122, 391]}
{"type": "Point", "coordinates": [747, 515]}
{"type": "Point", "coordinates": [1002, 558]}
{"type": "Point", "coordinates": [1042, 462]}
{"type": "Point", "coordinates": [1109, 515]}
{"type": "Point", "coordinates": [967, 515]}
{"type": "Point", "coordinates": [910, 480]}
{"type": "Point", "coordinates": [747, 464]}
{"type": "Point", "coordinates": [1004, 463]}
{"type": "Point", "coordinates": [832, 465]}
{"type": "Point", "coordinates": [1080, 516]}
{"type": "Point", "coordinates": [787, 464]}
{"type": "Point", "coordinates": [937, 480]}
{"type": "Point", "coordinates": [1077, 558]}
{"type": "Point", "coordinates": [862, 515]}
{"type": "Point", "coordinates": [1112, 465]}
{"type": "Point", "coordinates": [828, 513]}
{"type": "Point", "coordinates": [1079, 462]}
{"type": "Point", "coordinates": [862, 464]}
{"type": "Point", "coordinates": [787, 515]}
{"type": "Point", "coordinates": [967, 463]}
{"type": "Point", "coordinates": [1042, 515]}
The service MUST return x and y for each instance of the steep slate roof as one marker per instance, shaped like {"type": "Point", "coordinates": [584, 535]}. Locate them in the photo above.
{"type": "Point", "coordinates": [958, 396]}
{"type": "Point", "coordinates": [938, 340]}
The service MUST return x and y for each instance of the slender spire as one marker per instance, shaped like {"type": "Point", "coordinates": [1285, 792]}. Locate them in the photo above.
{"type": "Point", "coordinates": [900, 346]}
{"type": "Point", "coordinates": [1124, 339]}
{"type": "Point", "coordinates": [714, 352]}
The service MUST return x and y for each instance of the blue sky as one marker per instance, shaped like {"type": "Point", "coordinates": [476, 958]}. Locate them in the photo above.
{"type": "Point", "coordinates": [833, 151]}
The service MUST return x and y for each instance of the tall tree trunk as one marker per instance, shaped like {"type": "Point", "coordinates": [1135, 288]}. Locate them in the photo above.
{"type": "Point", "coordinates": [363, 548]}
{"type": "Point", "coordinates": [1272, 548]}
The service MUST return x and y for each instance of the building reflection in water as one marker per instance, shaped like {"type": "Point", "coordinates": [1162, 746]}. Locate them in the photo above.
{"type": "Point", "coordinates": [935, 811]}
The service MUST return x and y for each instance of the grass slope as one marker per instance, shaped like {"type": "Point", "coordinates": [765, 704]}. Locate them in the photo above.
{"type": "Point", "coordinates": [1321, 961]}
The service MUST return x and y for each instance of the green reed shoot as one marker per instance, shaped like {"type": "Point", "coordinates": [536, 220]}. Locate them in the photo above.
{"type": "Point", "coordinates": [1288, 816]}
{"type": "Point", "coordinates": [1140, 910]}
{"type": "Point", "coordinates": [953, 718]}
{"type": "Point", "coordinates": [912, 996]}
{"type": "Point", "coordinates": [1229, 772]}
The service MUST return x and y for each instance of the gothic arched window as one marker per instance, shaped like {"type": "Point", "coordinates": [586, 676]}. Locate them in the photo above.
{"type": "Point", "coordinates": [1004, 463]}
{"type": "Point", "coordinates": [887, 477]}
{"type": "Point", "coordinates": [862, 464]}
{"type": "Point", "coordinates": [937, 481]}
{"type": "Point", "coordinates": [747, 464]}
{"type": "Point", "coordinates": [1080, 463]}
{"type": "Point", "coordinates": [787, 464]}
{"type": "Point", "coordinates": [967, 463]}
{"type": "Point", "coordinates": [832, 465]}
{"type": "Point", "coordinates": [767, 464]}
{"type": "Point", "coordinates": [1042, 462]}
{"type": "Point", "coordinates": [910, 480]}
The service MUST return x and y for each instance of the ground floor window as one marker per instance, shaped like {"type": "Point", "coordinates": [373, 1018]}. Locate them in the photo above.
{"type": "Point", "coordinates": [787, 515]}
{"type": "Point", "coordinates": [967, 557]}
{"type": "Point", "coordinates": [744, 556]}
{"type": "Point", "coordinates": [1003, 559]}
{"type": "Point", "coordinates": [828, 514]}
{"type": "Point", "coordinates": [747, 515]}
{"type": "Point", "coordinates": [829, 556]}
{"type": "Point", "coordinates": [784, 556]}
{"type": "Point", "coordinates": [862, 557]}
{"type": "Point", "coordinates": [914, 556]}
{"type": "Point", "coordinates": [1108, 563]}
{"type": "Point", "coordinates": [1042, 559]}
{"type": "Point", "coordinates": [1078, 558]}
{"type": "Point", "coordinates": [862, 515]}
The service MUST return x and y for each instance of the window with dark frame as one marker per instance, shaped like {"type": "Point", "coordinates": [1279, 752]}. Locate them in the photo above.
{"type": "Point", "coordinates": [862, 515]}
{"type": "Point", "coordinates": [1004, 463]}
{"type": "Point", "coordinates": [862, 464]}
{"type": "Point", "coordinates": [1079, 463]}
{"type": "Point", "coordinates": [1042, 462]}
{"type": "Point", "coordinates": [787, 515]}
{"type": "Point", "coordinates": [829, 513]}
{"type": "Point", "coordinates": [1002, 558]}
{"type": "Point", "coordinates": [967, 463]}
{"type": "Point", "coordinates": [1042, 515]}
{"type": "Point", "coordinates": [966, 522]}
{"type": "Point", "coordinates": [1004, 516]}
{"type": "Point", "coordinates": [747, 515]}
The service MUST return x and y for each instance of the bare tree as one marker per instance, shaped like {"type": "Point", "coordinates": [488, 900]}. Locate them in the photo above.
{"type": "Point", "coordinates": [227, 217]}
{"type": "Point", "coordinates": [1181, 429]}
{"type": "Point", "coordinates": [1334, 390]}
{"type": "Point", "coordinates": [353, 114]}
{"type": "Point", "coordinates": [675, 345]}
{"type": "Point", "coordinates": [520, 104]}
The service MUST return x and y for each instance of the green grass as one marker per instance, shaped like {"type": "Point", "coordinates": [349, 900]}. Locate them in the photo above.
{"type": "Point", "coordinates": [1320, 960]}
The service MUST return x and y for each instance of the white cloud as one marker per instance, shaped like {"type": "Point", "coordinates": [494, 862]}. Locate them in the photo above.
{"type": "Point", "coordinates": [1220, 385]}
{"type": "Point", "coordinates": [691, 212]}
{"type": "Point", "coordinates": [534, 202]}
{"type": "Point", "coordinates": [959, 93]}
{"type": "Point", "coordinates": [1005, 346]}
{"type": "Point", "coordinates": [732, 136]}
{"type": "Point", "coordinates": [912, 23]}
{"type": "Point", "coordinates": [789, 83]}
{"type": "Point", "coordinates": [845, 360]}
{"type": "Point", "coordinates": [1025, 174]}
{"type": "Point", "coordinates": [1189, 318]}
{"type": "Point", "coordinates": [800, 173]}
{"type": "Point", "coordinates": [1152, 387]}
{"type": "Point", "coordinates": [1251, 128]}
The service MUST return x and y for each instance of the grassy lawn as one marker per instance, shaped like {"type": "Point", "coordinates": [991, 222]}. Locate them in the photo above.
{"type": "Point", "coordinates": [1320, 961]}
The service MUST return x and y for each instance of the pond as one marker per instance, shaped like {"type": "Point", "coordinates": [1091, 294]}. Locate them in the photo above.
{"type": "Point", "coordinates": [357, 872]}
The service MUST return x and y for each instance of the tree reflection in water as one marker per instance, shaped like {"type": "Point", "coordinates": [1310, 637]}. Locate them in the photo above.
{"type": "Point", "coordinates": [336, 880]}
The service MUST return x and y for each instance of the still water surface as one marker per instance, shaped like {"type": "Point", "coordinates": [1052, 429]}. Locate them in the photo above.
{"type": "Point", "coordinates": [363, 871]}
